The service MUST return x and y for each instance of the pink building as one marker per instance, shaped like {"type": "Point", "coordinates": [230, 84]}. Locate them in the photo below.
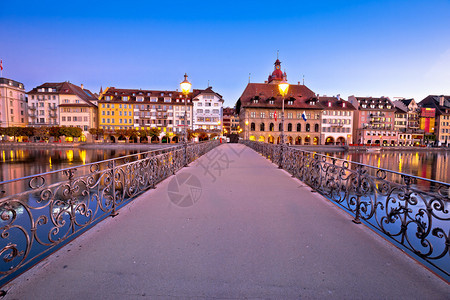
{"type": "Point", "coordinates": [374, 121]}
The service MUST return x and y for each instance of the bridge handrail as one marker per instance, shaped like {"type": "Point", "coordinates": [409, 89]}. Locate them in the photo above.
{"type": "Point", "coordinates": [395, 204]}
{"type": "Point", "coordinates": [41, 213]}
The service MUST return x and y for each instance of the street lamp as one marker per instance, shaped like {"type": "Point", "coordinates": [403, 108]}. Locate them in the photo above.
{"type": "Point", "coordinates": [283, 87]}
{"type": "Point", "coordinates": [185, 88]}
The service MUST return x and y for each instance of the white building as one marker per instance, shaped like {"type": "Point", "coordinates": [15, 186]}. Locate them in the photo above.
{"type": "Point", "coordinates": [13, 107]}
{"type": "Point", "coordinates": [208, 110]}
{"type": "Point", "coordinates": [337, 121]}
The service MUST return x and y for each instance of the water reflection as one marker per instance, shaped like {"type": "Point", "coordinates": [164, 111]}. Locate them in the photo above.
{"type": "Point", "coordinates": [19, 163]}
{"type": "Point", "coordinates": [430, 165]}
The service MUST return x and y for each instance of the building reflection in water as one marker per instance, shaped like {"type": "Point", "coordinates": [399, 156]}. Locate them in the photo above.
{"type": "Point", "coordinates": [431, 165]}
{"type": "Point", "coordinates": [20, 163]}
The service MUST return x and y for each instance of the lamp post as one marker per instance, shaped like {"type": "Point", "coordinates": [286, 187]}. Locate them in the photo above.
{"type": "Point", "coordinates": [283, 87]}
{"type": "Point", "coordinates": [185, 88]}
{"type": "Point", "coordinates": [246, 130]}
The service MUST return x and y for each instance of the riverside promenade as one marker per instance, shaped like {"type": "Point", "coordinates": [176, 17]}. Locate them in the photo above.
{"type": "Point", "coordinates": [230, 226]}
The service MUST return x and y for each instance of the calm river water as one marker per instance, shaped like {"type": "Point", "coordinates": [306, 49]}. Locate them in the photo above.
{"type": "Point", "coordinates": [16, 163]}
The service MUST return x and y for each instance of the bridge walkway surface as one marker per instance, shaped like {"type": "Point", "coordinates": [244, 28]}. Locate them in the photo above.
{"type": "Point", "coordinates": [230, 226]}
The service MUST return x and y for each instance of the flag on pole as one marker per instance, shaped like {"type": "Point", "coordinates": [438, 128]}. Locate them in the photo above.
{"type": "Point", "coordinates": [304, 116]}
{"type": "Point", "coordinates": [1, 65]}
{"type": "Point", "coordinates": [275, 115]}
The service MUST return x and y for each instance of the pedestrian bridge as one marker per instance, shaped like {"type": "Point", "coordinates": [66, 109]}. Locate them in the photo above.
{"type": "Point", "coordinates": [231, 225]}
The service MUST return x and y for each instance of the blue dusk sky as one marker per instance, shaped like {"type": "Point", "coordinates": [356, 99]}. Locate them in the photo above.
{"type": "Point", "coordinates": [362, 48]}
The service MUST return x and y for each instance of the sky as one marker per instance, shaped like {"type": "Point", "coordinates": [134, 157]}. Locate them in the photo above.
{"type": "Point", "coordinates": [362, 48]}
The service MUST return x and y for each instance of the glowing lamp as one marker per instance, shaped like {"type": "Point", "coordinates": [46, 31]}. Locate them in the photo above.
{"type": "Point", "coordinates": [283, 87]}
{"type": "Point", "coordinates": [185, 85]}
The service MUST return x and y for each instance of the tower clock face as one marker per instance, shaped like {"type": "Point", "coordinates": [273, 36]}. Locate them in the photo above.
{"type": "Point", "coordinates": [278, 67]}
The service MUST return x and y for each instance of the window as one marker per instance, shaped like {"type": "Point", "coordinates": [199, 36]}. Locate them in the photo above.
{"type": "Point", "coordinates": [63, 119]}
{"type": "Point", "coordinates": [69, 119]}
{"type": "Point", "coordinates": [308, 127]}
{"type": "Point", "coordinates": [253, 114]}
{"type": "Point", "coordinates": [252, 126]}
{"type": "Point", "coordinates": [271, 127]}
{"type": "Point", "coordinates": [289, 127]}
{"type": "Point", "coordinates": [124, 98]}
{"type": "Point", "coordinates": [261, 127]}
{"type": "Point", "coordinates": [316, 128]}
{"type": "Point", "coordinates": [299, 127]}
{"type": "Point", "coordinates": [262, 115]}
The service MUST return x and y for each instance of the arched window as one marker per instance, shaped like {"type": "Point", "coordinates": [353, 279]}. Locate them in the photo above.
{"type": "Point", "coordinates": [280, 126]}
{"type": "Point", "coordinates": [308, 127]}
{"type": "Point", "coordinates": [252, 127]}
{"type": "Point", "coordinates": [271, 126]}
{"type": "Point", "coordinates": [316, 128]}
{"type": "Point", "coordinates": [299, 127]}
{"type": "Point", "coordinates": [261, 127]}
{"type": "Point", "coordinates": [290, 127]}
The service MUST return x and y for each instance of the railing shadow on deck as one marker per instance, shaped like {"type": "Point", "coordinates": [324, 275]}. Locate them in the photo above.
{"type": "Point", "coordinates": [41, 213]}
{"type": "Point", "coordinates": [412, 212]}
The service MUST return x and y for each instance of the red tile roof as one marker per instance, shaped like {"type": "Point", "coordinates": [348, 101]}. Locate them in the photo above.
{"type": "Point", "coordinates": [265, 92]}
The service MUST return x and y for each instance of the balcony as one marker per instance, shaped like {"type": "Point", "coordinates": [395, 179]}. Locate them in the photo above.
{"type": "Point", "coordinates": [32, 114]}
{"type": "Point", "coordinates": [380, 114]}
{"type": "Point", "coordinates": [52, 107]}
{"type": "Point", "coordinates": [53, 115]}
{"type": "Point", "coordinates": [32, 107]}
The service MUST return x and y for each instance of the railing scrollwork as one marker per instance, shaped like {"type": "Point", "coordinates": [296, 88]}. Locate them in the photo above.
{"type": "Point", "coordinates": [412, 211]}
{"type": "Point", "coordinates": [40, 213]}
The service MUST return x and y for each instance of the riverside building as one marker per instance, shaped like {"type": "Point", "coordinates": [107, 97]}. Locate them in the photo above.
{"type": "Point", "coordinates": [145, 109]}
{"type": "Point", "coordinates": [374, 121]}
{"type": "Point", "coordinates": [62, 104]}
{"type": "Point", "coordinates": [208, 110]}
{"type": "Point", "coordinates": [13, 106]}
{"type": "Point", "coordinates": [441, 104]}
{"type": "Point", "coordinates": [337, 121]}
{"type": "Point", "coordinates": [260, 108]}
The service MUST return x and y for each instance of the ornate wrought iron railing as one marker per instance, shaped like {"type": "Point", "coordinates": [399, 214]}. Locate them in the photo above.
{"type": "Point", "coordinates": [40, 213]}
{"type": "Point", "coordinates": [412, 211]}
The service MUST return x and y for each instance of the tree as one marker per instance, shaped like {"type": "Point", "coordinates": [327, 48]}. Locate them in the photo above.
{"type": "Point", "coordinates": [154, 132]}
{"type": "Point", "coordinates": [96, 132]}
{"type": "Point", "coordinates": [41, 133]}
{"type": "Point", "coordinates": [55, 131]}
{"type": "Point", "coordinates": [28, 132]}
{"type": "Point", "coordinates": [13, 131]}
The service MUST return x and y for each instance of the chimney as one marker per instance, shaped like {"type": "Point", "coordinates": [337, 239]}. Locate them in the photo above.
{"type": "Point", "coordinates": [441, 100]}
{"type": "Point", "coordinates": [82, 86]}
{"type": "Point", "coordinates": [299, 83]}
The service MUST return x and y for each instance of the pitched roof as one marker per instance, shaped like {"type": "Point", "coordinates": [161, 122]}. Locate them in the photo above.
{"type": "Point", "coordinates": [65, 88]}
{"type": "Point", "coordinates": [208, 90]}
{"type": "Point", "coordinates": [432, 101]}
{"type": "Point", "coordinates": [375, 101]}
{"type": "Point", "coordinates": [336, 103]}
{"type": "Point", "coordinates": [265, 92]}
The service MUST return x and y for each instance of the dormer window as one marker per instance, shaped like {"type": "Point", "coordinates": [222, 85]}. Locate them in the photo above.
{"type": "Point", "coordinates": [162, 94]}
{"type": "Point", "coordinates": [271, 101]}
{"type": "Point", "coordinates": [343, 105]}
{"type": "Point", "coordinates": [380, 106]}
{"type": "Point", "coordinates": [148, 94]}
{"type": "Point", "coordinates": [124, 98]}
{"type": "Point", "coordinates": [153, 99]}
{"type": "Point", "coordinates": [329, 104]}
{"type": "Point", "coordinates": [290, 102]}
{"type": "Point", "coordinates": [107, 98]}
{"type": "Point", "coordinates": [140, 99]}
{"type": "Point", "coordinates": [388, 106]}
{"type": "Point", "coordinates": [255, 100]}
{"type": "Point", "coordinates": [134, 94]}
{"type": "Point", "coordinates": [364, 106]}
